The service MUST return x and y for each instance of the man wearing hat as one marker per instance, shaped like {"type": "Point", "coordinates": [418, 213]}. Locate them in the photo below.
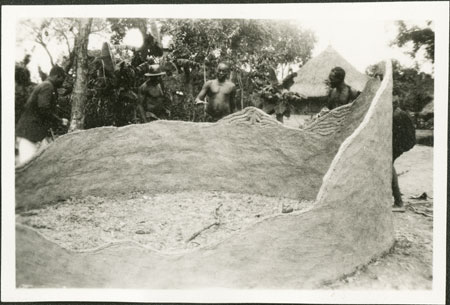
{"type": "Point", "coordinates": [151, 98]}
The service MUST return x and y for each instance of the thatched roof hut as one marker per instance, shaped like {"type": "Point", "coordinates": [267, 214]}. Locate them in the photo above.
{"type": "Point", "coordinates": [310, 80]}
{"type": "Point", "coordinates": [428, 110]}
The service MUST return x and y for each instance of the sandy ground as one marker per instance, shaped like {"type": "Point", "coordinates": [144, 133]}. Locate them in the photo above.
{"type": "Point", "coordinates": [408, 265]}
{"type": "Point", "coordinates": [168, 223]}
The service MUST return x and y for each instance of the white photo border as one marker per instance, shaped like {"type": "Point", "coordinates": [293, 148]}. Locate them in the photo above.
{"type": "Point", "coordinates": [328, 12]}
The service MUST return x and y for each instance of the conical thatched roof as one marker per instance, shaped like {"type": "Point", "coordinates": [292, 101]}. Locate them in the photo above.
{"type": "Point", "coordinates": [310, 80]}
{"type": "Point", "coordinates": [428, 109]}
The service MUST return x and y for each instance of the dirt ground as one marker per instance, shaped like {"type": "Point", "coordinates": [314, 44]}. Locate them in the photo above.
{"type": "Point", "coordinates": [167, 223]}
{"type": "Point", "coordinates": [408, 265]}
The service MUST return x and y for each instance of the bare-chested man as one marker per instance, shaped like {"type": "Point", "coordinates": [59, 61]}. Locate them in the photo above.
{"type": "Point", "coordinates": [340, 93]}
{"type": "Point", "coordinates": [151, 98]}
{"type": "Point", "coordinates": [220, 92]}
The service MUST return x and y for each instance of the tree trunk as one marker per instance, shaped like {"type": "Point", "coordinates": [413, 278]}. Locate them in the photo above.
{"type": "Point", "coordinates": [71, 61]}
{"type": "Point", "coordinates": [239, 77]}
{"type": "Point", "coordinates": [155, 32]}
{"type": "Point", "coordinates": [79, 95]}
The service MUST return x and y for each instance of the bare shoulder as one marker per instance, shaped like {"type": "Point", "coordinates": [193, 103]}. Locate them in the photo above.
{"type": "Point", "coordinates": [207, 85]}
{"type": "Point", "coordinates": [230, 85]}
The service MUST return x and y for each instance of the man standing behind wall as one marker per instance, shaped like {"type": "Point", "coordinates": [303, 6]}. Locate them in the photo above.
{"type": "Point", "coordinates": [220, 92]}
{"type": "Point", "coordinates": [39, 116]}
{"type": "Point", "coordinates": [340, 93]}
{"type": "Point", "coordinates": [152, 104]}
{"type": "Point", "coordinates": [403, 139]}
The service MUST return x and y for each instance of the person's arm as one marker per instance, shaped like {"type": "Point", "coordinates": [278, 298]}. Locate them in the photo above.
{"type": "Point", "coordinates": [44, 102]}
{"type": "Point", "coordinates": [200, 99]}
{"type": "Point", "coordinates": [328, 100]}
{"type": "Point", "coordinates": [141, 99]}
{"type": "Point", "coordinates": [353, 94]}
{"type": "Point", "coordinates": [232, 99]}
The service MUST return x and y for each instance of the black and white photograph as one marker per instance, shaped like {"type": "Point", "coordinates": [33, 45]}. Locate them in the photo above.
{"type": "Point", "coordinates": [225, 152]}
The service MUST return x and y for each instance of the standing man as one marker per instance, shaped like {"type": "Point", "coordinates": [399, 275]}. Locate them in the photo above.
{"type": "Point", "coordinates": [403, 139]}
{"type": "Point", "coordinates": [220, 92]}
{"type": "Point", "coordinates": [340, 93]}
{"type": "Point", "coordinates": [39, 116]}
{"type": "Point", "coordinates": [151, 98]}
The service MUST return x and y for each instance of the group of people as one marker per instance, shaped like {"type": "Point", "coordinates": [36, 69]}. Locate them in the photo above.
{"type": "Point", "coordinates": [34, 129]}
{"type": "Point", "coordinates": [217, 96]}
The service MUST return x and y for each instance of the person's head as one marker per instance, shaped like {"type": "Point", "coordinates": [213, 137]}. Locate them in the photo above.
{"type": "Point", "coordinates": [336, 77]}
{"type": "Point", "coordinates": [223, 71]}
{"type": "Point", "coordinates": [154, 74]}
{"type": "Point", "coordinates": [57, 76]}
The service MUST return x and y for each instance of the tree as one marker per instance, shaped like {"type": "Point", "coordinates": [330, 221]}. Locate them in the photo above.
{"type": "Point", "coordinates": [40, 32]}
{"type": "Point", "coordinates": [147, 27]}
{"type": "Point", "coordinates": [112, 88]}
{"type": "Point", "coordinates": [79, 95]}
{"type": "Point", "coordinates": [254, 48]}
{"type": "Point", "coordinates": [419, 37]}
{"type": "Point", "coordinates": [61, 31]}
{"type": "Point", "coordinates": [96, 96]}
{"type": "Point", "coordinates": [412, 88]}
{"type": "Point", "coordinates": [46, 31]}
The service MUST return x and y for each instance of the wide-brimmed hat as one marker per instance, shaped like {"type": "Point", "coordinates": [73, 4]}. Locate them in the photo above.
{"type": "Point", "coordinates": [154, 70]}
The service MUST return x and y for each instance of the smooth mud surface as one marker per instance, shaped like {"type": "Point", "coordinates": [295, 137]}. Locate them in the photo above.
{"type": "Point", "coordinates": [409, 264]}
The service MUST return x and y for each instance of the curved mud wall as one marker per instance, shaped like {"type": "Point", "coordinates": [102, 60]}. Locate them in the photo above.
{"type": "Point", "coordinates": [247, 152]}
{"type": "Point", "coordinates": [350, 223]}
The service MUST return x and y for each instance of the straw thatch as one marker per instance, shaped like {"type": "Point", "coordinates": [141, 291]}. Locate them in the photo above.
{"type": "Point", "coordinates": [310, 80]}
{"type": "Point", "coordinates": [428, 109]}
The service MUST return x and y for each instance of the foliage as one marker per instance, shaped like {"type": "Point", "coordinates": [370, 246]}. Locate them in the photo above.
{"type": "Point", "coordinates": [61, 31]}
{"type": "Point", "coordinates": [253, 48]}
{"type": "Point", "coordinates": [419, 37]}
{"type": "Point", "coordinates": [120, 26]}
{"type": "Point", "coordinates": [111, 98]}
{"type": "Point", "coordinates": [276, 98]}
{"type": "Point", "coordinates": [412, 88]}
{"type": "Point", "coordinates": [240, 42]}
{"type": "Point", "coordinates": [197, 47]}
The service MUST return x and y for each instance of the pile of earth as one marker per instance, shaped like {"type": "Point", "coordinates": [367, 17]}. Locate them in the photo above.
{"type": "Point", "coordinates": [246, 152]}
